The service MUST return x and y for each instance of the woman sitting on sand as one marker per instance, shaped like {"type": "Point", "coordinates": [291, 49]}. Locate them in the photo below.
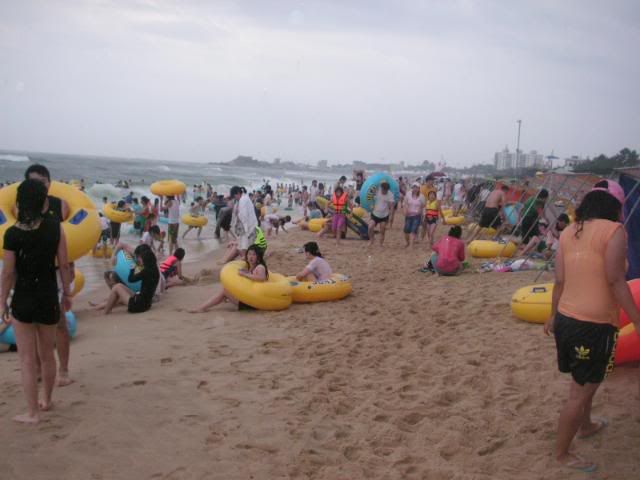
{"type": "Point", "coordinates": [318, 269]}
{"type": "Point", "coordinates": [589, 289]}
{"type": "Point", "coordinates": [136, 302]}
{"type": "Point", "coordinates": [448, 254]}
{"type": "Point", "coordinates": [31, 248]}
{"type": "Point", "coordinates": [256, 271]}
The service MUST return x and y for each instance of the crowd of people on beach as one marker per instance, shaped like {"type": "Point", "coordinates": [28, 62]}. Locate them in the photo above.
{"type": "Point", "coordinates": [586, 243]}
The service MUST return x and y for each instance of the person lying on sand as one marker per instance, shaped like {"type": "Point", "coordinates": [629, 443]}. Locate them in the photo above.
{"type": "Point", "coordinates": [256, 270]}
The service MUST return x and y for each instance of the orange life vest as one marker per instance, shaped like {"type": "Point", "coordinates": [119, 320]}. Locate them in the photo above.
{"type": "Point", "coordinates": [340, 204]}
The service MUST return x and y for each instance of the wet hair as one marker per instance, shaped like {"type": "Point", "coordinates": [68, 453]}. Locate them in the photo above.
{"type": "Point", "coordinates": [155, 230]}
{"type": "Point", "coordinates": [285, 220]}
{"type": "Point", "coordinates": [235, 191]}
{"type": "Point", "coordinates": [563, 217]}
{"type": "Point", "coordinates": [384, 185]}
{"type": "Point", "coordinates": [313, 249]}
{"type": "Point", "coordinates": [32, 195]}
{"type": "Point", "coordinates": [38, 170]}
{"type": "Point", "coordinates": [543, 194]}
{"type": "Point", "coordinates": [121, 204]}
{"type": "Point", "coordinates": [260, 257]}
{"type": "Point", "coordinates": [144, 200]}
{"type": "Point", "coordinates": [455, 231]}
{"type": "Point", "coordinates": [338, 188]}
{"type": "Point", "coordinates": [343, 178]}
{"type": "Point", "coordinates": [504, 188]}
{"type": "Point", "coordinates": [179, 253]}
{"type": "Point", "coordinates": [149, 259]}
{"type": "Point", "coordinates": [597, 204]}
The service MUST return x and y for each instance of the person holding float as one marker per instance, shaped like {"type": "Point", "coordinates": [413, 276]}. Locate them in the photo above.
{"type": "Point", "coordinates": [318, 269]}
{"type": "Point", "coordinates": [589, 289]}
{"type": "Point", "coordinates": [31, 248]}
{"type": "Point", "coordinates": [256, 270]}
{"type": "Point", "coordinates": [148, 276]}
{"type": "Point", "coordinates": [58, 209]}
{"type": "Point", "coordinates": [384, 202]}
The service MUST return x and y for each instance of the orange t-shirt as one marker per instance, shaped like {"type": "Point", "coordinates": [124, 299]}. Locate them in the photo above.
{"type": "Point", "coordinates": [586, 294]}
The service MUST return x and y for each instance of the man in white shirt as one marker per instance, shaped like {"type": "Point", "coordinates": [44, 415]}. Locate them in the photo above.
{"type": "Point", "coordinates": [383, 204]}
{"type": "Point", "coordinates": [243, 220]}
{"type": "Point", "coordinates": [173, 216]}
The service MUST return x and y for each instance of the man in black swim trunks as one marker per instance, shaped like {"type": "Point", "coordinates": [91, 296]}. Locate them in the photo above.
{"type": "Point", "coordinates": [492, 213]}
{"type": "Point", "coordinates": [58, 209]}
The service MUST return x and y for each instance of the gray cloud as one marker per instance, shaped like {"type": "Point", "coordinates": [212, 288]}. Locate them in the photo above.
{"type": "Point", "coordinates": [305, 80]}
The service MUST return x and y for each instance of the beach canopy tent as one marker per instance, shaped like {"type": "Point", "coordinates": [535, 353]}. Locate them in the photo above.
{"type": "Point", "coordinates": [628, 180]}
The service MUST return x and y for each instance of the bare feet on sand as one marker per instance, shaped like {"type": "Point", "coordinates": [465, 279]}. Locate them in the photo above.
{"type": "Point", "coordinates": [45, 406]}
{"type": "Point", "coordinates": [63, 379]}
{"type": "Point", "coordinates": [26, 418]}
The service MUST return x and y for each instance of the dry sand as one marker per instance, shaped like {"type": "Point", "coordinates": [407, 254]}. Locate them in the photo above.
{"type": "Point", "coordinates": [412, 377]}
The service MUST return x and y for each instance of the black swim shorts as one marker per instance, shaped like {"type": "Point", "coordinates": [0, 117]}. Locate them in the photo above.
{"type": "Point", "coordinates": [586, 350]}
{"type": "Point", "coordinates": [378, 220]}
{"type": "Point", "coordinates": [490, 218]}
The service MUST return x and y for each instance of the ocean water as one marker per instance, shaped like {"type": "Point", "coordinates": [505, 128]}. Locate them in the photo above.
{"type": "Point", "coordinates": [142, 172]}
{"type": "Point", "coordinates": [108, 171]}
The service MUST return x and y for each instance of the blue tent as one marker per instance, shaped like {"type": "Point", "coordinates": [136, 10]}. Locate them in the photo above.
{"type": "Point", "coordinates": [632, 217]}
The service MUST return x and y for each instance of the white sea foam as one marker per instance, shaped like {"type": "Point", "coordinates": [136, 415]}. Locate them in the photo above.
{"type": "Point", "coordinates": [14, 158]}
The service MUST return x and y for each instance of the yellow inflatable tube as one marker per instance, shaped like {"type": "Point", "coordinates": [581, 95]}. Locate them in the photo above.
{"type": "Point", "coordinates": [274, 294]}
{"type": "Point", "coordinates": [306, 292]}
{"type": "Point", "coordinates": [81, 228]}
{"type": "Point", "coordinates": [166, 188]}
{"type": "Point", "coordinates": [316, 224]}
{"type": "Point", "coordinates": [115, 215]}
{"type": "Point", "coordinates": [194, 221]}
{"type": "Point", "coordinates": [459, 220]}
{"type": "Point", "coordinates": [264, 210]}
{"type": "Point", "coordinates": [359, 212]}
{"type": "Point", "coordinates": [532, 303]}
{"type": "Point", "coordinates": [102, 252]}
{"type": "Point", "coordinates": [78, 283]}
{"type": "Point", "coordinates": [484, 231]}
{"type": "Point", "coordinates": [491, 249]}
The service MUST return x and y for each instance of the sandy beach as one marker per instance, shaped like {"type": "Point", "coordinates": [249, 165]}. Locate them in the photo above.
{"type": "Point", "coordinates": [413, 376]}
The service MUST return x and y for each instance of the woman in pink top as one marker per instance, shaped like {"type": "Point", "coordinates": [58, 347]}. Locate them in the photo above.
{"type": "Point", "coordinates": [318, 269]}
{"type": "Point", "coordinates": [413, 204]}
{"type": "Point", "coordinates": [589, 290]}
{"type": "Point", "coordinates": [448, 253]}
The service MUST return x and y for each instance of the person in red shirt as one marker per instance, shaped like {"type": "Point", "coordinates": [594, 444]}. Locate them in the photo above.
{"type": "Point", "coordinates": [448, 254]}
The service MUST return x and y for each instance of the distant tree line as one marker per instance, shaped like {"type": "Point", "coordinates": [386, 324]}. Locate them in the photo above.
{"type": "Point", "coordinates": [603, 165]}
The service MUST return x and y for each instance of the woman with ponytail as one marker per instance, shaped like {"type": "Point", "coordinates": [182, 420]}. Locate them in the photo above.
{"type": "Point", "coordinates": [31, 248]}
{"type": "Point", "coordinates": [589, 290]}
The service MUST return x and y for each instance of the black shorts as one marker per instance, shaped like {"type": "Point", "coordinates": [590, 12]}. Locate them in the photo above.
{"type": "Point", "coordinates": [585, 349]}
{"type": "Point", "coordinates": [490, 218]}
{"type": "Point", "coordinates": [137, 304]}
{"type": "Point", "coordinates": [378, 220]}
{"type": "Point", "coordinates": [170, 272]}
{"type": "Point", "coordinates": [529, 228]}
{"type": "Point", "coordinates": [42, 309]}
{"type": "Point", "coordinates": [429, 220]}
{"type": "Point", "coordinates": [115, 230]}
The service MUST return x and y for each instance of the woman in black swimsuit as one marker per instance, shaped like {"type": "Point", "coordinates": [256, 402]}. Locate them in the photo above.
{"type": "Point", "coordinates": [136, 302]}
{"type": "Point", "coordinates": [31, 248]}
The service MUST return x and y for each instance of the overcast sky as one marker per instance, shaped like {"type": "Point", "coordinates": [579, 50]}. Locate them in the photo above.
{"type": "Point", "coordinates": [330, 79]}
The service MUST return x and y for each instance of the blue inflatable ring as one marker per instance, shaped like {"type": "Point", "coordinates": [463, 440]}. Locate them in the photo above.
{"type": "Point", "coordinates": [9, 337]}
{"type": "Point", "coordinates": [124, 264]}
{"type": "Point", "coordinates": [370, 187]}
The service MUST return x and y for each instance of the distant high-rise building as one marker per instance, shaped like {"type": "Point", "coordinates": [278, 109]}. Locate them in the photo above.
{"type": "Point", "coordinates": [506, 160]}
{"type": "Point", "coordinates": [323, 164]}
